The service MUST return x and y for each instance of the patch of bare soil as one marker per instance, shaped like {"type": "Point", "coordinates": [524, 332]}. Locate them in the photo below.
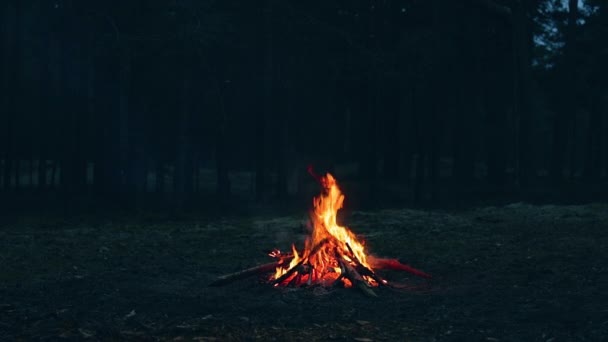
{"type": "Point", "coordinates": [512, 273]}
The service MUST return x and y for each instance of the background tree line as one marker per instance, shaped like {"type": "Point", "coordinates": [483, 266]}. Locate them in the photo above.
{"type": "Point", "coordinates": [408, 100]}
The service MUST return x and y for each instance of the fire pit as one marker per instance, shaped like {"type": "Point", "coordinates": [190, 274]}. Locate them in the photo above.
{"type": "Point", "coordinates": [333, 256]}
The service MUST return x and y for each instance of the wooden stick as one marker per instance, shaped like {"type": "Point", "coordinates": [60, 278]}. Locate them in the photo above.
{"type": "Point", "coordinates": [229, 278]}
{"type": "Point", "coordinates": [355, 278]}
{"type": "Point", "coordinates": [395, 265]}
{"type": "Point", "coordinates": [363, 270]}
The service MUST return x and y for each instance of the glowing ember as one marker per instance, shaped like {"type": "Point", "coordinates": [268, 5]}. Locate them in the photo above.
{"type": "Point", "coordinates": [331, 251]}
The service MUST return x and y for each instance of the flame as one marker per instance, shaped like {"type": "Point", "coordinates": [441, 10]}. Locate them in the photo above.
{"type": "Point", "coordinates": [328, 249]}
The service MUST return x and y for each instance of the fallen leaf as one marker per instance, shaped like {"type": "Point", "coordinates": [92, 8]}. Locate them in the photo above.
{"type": "Point", "coordinates": [363, 339]}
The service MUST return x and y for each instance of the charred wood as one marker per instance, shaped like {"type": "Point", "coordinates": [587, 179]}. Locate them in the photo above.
{"type": "Point", "coordinates": [229, 278]}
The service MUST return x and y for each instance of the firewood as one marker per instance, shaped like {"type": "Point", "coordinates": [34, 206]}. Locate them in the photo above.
{"type": "Point", "coordinates": [355, 278]}
{"type": "Point", "coordinates": [229, 278]}
{"type": "Point", "coordinates": [395, 265]}
{"type": "Point", "coordinates": [363, 270]}
{"type": "Point", "coordinates": [337, 281]}
{"type": "Point", "coordinates": [289, 272]}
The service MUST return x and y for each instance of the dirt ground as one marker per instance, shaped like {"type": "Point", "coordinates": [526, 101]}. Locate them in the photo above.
{"type": "Point", "coordinates": [513, 273]}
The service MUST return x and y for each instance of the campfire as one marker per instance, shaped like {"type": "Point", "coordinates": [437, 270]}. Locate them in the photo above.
{"type": "Point", "coordinates": [333, 256]}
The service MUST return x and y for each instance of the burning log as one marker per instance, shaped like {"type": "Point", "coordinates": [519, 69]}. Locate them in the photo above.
{"type": "Point", "coordinates": [362, 269]}
{"type": "Point", "coordinates": [298, 266]}
{"type": "Point", "coordinates": [356, 279]}
{"type": "Point", "coordinates": [229, 278]}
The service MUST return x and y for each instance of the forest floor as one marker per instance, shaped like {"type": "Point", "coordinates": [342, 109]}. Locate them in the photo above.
{"type": "Point", "coordinates": [511, 273]}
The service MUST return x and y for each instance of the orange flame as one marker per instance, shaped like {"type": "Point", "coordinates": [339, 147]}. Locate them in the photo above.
{"type": "Point", "coordinates": [328, 248]}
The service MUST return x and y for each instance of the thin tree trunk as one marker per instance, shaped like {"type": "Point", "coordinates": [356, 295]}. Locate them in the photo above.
{"type": "Point", "coordinates": [566, 111]}
{"type": "Point", "coordinates": [438, 91]}
{"type": "Point", "coordinates": [137, 160]}
{"type": "Point", "coordinates": [53, 182]}
{"type": "Point", "coordinates": [603, 107]}
{"type": "Point", "coordinates": [160, 177]}
{"type": "Point", "coordinates": [73, 168]}
{"type": "Point", "coordinates": [370, 162]}
{"type": "Point", "coordinates": [282, 145]}
{"type": "Point", "coordinates": [468, 100]}
{"type": "Point", "coordinates": [593, 156]}
{"type": "Point", "coordinates": [91, 105]}
{"type": "Point", "coordinates": [420, 138]}
{"type": "Point", "coordinates": [221, 148]}
{"type": "Point", "coordinates": [463, 169]}
{"type": "Point", "coordinates": [267, 108]}
{"type": "Point", "coordinates": [9, 23]}
{"type": "Point", "coordinates": [183, 145]}
{"type": "Point", "coordinates": [434, 156]}
{"type": "Point", "coordinates": [393, 144]}
{"type": "Point", "coordinates": [497, 102]}
{"type": "Point", "coordinates": [11, 65]}
{"type": "Point", "coordinates": [123, 120]}
{"type": "Point", "coordinates": [522, 43]}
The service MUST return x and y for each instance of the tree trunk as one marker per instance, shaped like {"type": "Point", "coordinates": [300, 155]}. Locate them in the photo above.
{"type": "Point", "coordinates": [267, 108]}
{"type": "Point", "coordinates": [393, 144]}
{"type": "Point", "coordinates": [160, 176]}
{"type": "Point", "coordinates": [183, 145]}
{"type": "Point", "coordinates": [498, 87]}
{"type": "Point", "coordinates": [91, 104]}
{"type": "Point", "coordinates": [137, 174]}
{"type": "Point", "coordinates": [523, 44]}
{"type": "Point", "coordinates": [369, 163]}
{"type": "Point", "coordinates": [10, 62]}
{"type": "Point", "coordinates": [566, 110]}
{"type": "Point", "coordinates": [123, 119]}
{"type": "Point", "coordinates": [221, 147]}
{"type": "Point", "coordinates": [73, 167]}
{"type": "Point", "coordinates": [441, 12]}
{"type": "Point", "coordinates": [464, 130]}
{"type": "Point", "coordinates": [421, 148]}
{"type": "Point", "coordinates": [592, 170]}
{"type": "Point", "coordinates": [44, 110]}
{"type": "Point", "coordinates": [282, 139]}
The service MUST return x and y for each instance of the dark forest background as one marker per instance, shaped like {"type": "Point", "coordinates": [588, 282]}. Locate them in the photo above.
{"type": "Point", "coordinates": [192, 104]}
